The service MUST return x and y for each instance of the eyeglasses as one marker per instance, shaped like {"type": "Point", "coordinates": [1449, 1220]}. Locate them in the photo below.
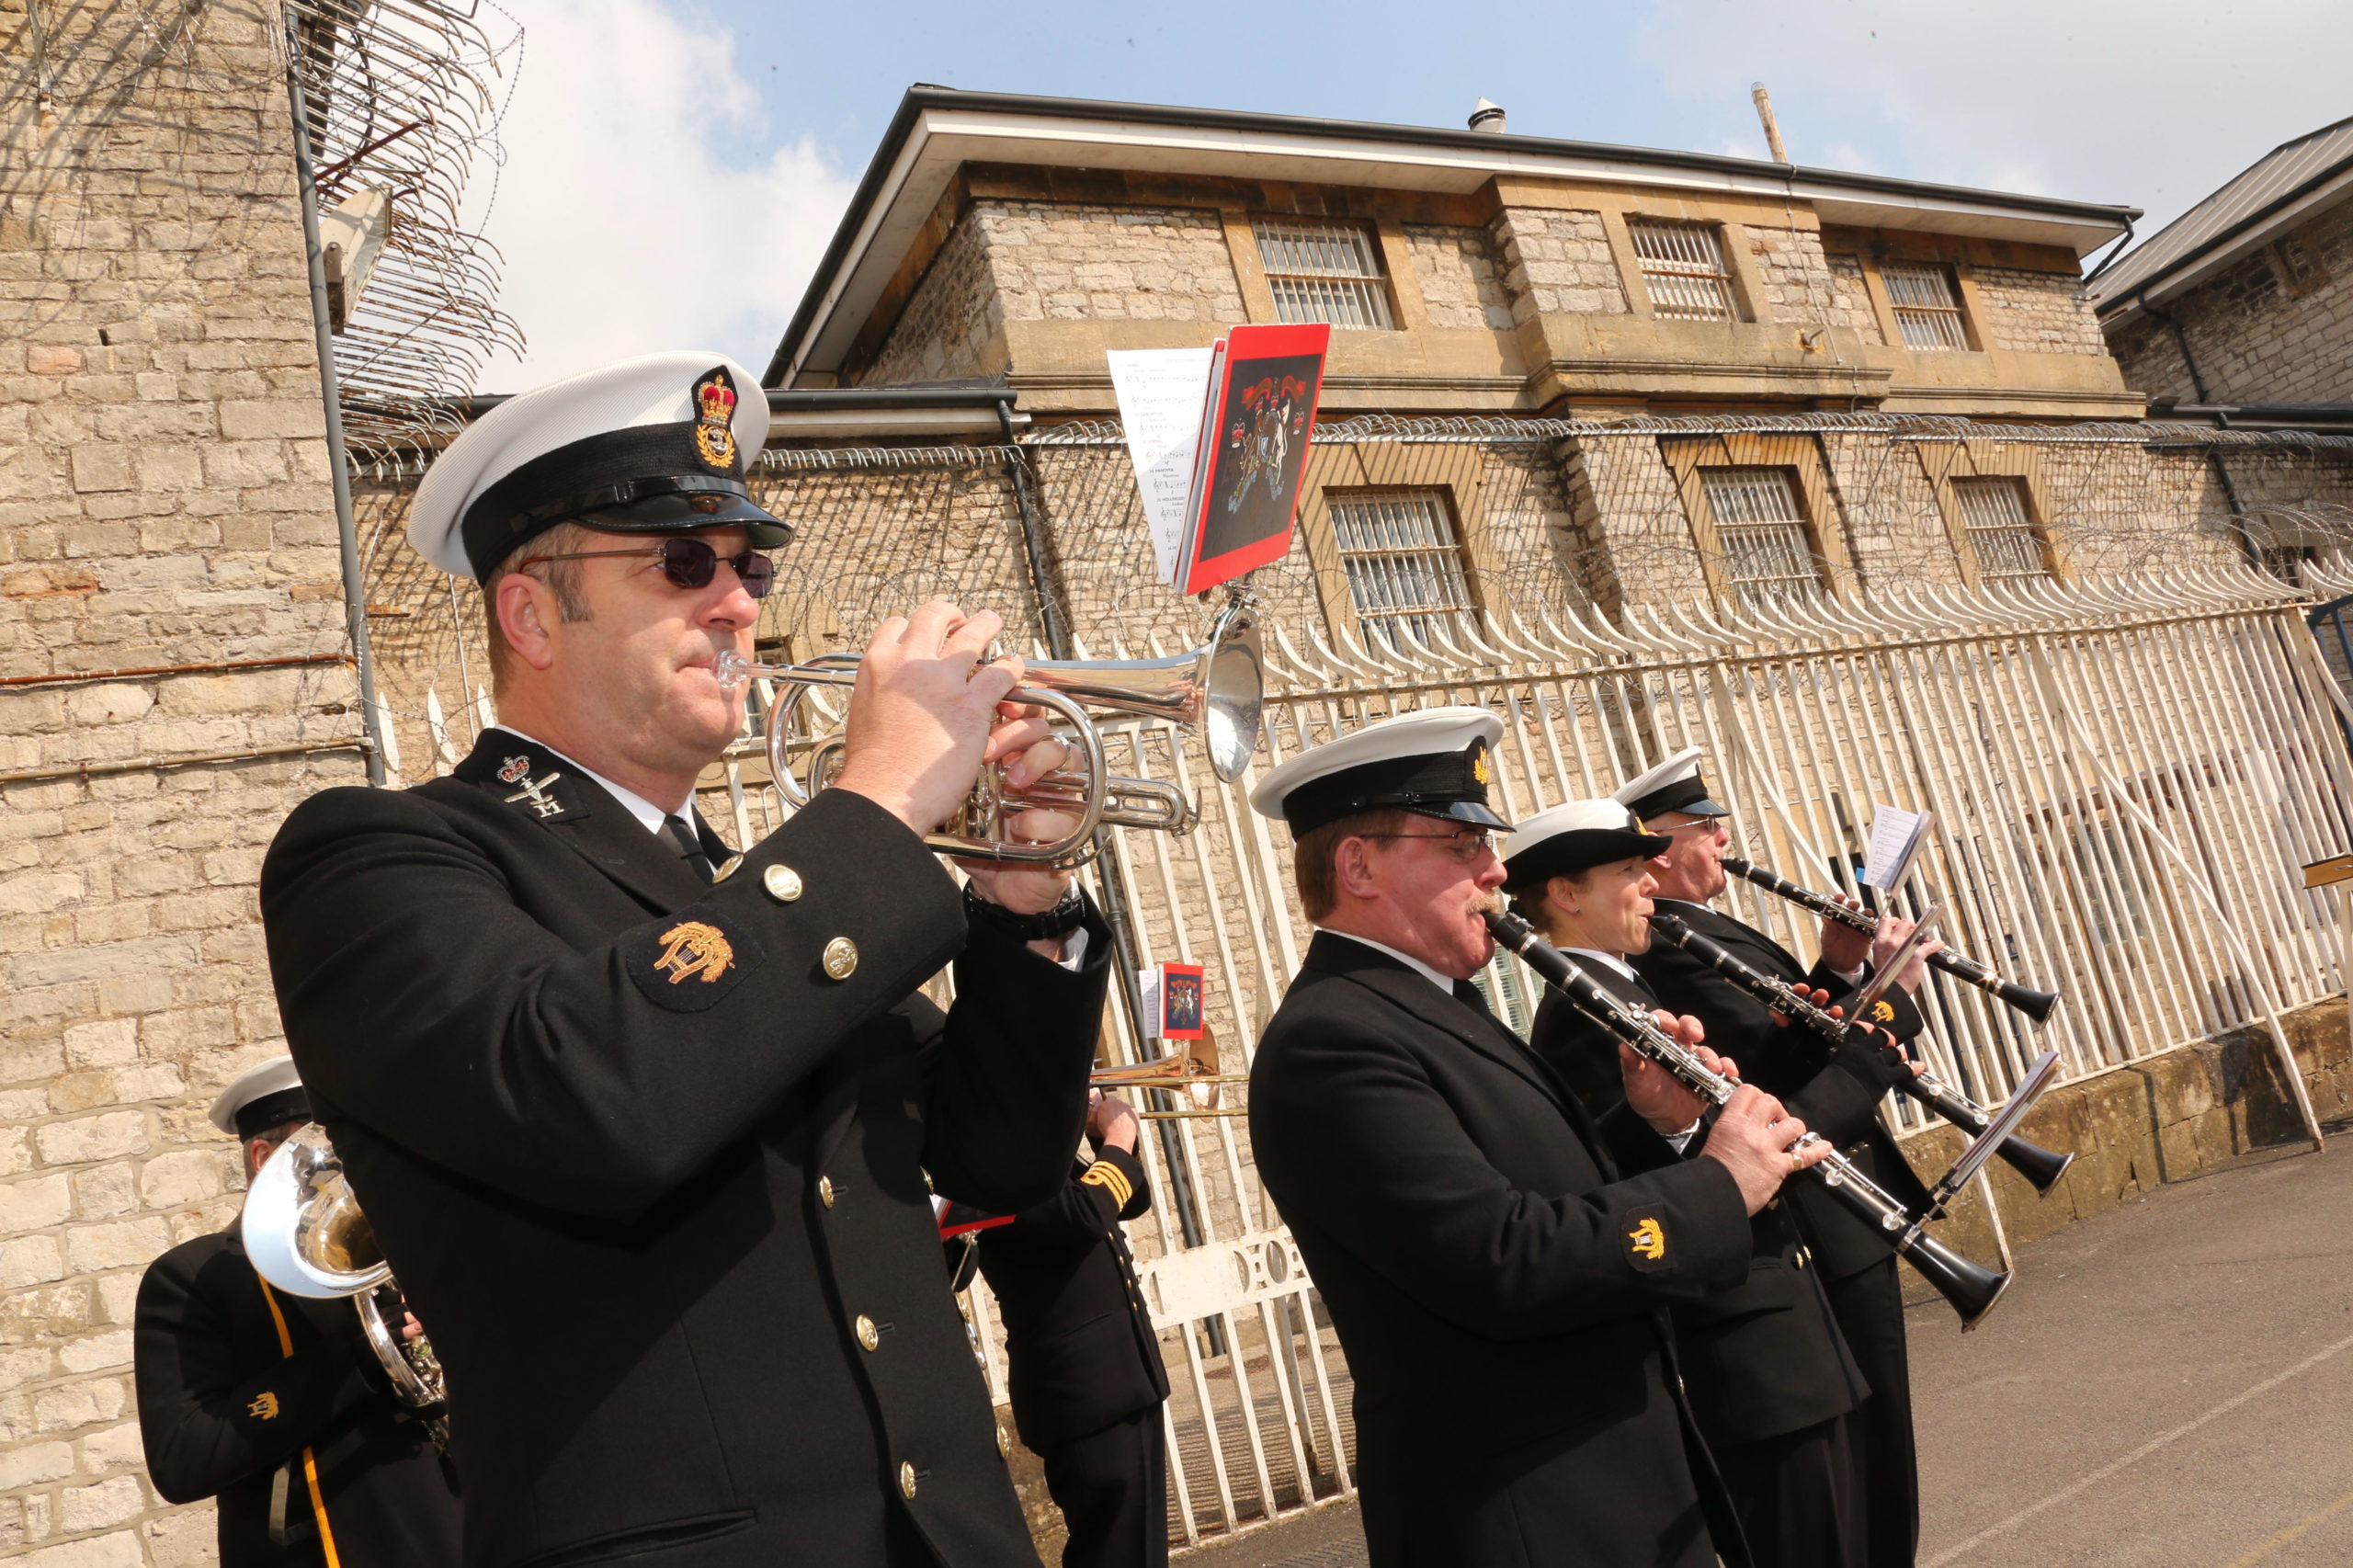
{"type": "Point", "coordinates": [687, 563]}
{"type": "Point", "coordinates": [1463, 847]}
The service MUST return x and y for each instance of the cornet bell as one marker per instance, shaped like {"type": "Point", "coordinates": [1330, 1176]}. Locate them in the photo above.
{"type": "Point", "coordinates": [302, 1227]}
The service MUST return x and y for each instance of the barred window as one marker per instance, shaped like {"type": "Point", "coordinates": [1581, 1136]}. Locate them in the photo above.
{"type": "Point", "coordinates": [2009, 547]}
{"type": "Point", "coordinates": [1927, 312]}
{"type": "Point", "coordinates": [1683, 268]}
{"type": "Point", "coordinates": [1403, 559]}
{"type": "Point", "coordinates": [1767, 555]}
{"type": "Point", "coordinates": [1323, 272]}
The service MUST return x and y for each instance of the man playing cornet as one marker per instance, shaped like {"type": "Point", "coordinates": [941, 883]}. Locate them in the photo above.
{"type": "Point", "coordinates": [648, 1132]}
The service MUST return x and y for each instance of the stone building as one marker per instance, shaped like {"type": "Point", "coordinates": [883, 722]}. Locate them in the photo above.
{"type": "Point", "coordinates": [2247, 298]}
{"type": "Point", "coordinates": [1668, 375]}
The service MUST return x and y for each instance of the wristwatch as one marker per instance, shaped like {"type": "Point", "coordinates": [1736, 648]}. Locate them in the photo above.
{"type": "Point", "coordinates": [1060, 920]}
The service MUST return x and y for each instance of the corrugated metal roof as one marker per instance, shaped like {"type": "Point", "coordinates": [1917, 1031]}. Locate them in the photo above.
{"type": "Point", "coordinates": [2233, 212]}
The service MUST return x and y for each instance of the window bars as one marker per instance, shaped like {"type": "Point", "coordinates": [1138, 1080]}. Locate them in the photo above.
{"type": "Point", "coordinates": [1323, 272]}
{"type": "Point", "coordinates": [1927, 313]}
{"type": "Point", "coordinates": [1683, 268]}
{"type": "Point", "coordinates": [1767, 555]}
{"type": "Point", "coordinates": [1402, 560]}
{"type": "Point", "coordinates": [1993, 512]}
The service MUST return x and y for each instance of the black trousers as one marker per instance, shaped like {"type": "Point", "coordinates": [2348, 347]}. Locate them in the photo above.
{"type": "Point", "coordinates": [1870, 1310]}
{"type": "Point", "coordinates": [1112, 1487]}
{"type": "Point", "coordinates": [1800, 1500]}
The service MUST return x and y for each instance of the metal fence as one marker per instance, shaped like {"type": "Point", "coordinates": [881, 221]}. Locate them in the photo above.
{"type": "Point", "coordinates": [2126, 777]}
{"type": "Point", "coordinates": [2126, 773]}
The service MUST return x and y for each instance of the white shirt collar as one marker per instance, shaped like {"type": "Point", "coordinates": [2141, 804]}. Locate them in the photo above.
{"type": "Point", "coordinates": [1408, 959]}
{"type": "Point", "coordinates": [638, 806]}
{"type": "Point", "coordinates": [1612, 960]}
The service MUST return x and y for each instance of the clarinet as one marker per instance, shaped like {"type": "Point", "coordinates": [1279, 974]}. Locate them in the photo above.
{"type": "Point", "coordinates": [2039, 1166]}
{"type": "Point", "coordinates": [2035, 1005]}
{"type": "Point", "coordinates": [1970, 1289]}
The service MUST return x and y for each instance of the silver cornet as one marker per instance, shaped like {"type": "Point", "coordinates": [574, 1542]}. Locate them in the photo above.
{"type": "Point", "coordinates": [305, 1234]}
{"type": "Point", "coordinates": [1218, 688]}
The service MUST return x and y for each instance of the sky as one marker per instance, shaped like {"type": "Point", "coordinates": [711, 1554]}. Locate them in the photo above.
{"type": "Point", "coordinates": [671, 170]}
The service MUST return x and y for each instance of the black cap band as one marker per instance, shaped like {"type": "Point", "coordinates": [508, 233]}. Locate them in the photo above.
{"type": "Point", "coordinates": [273, 1110]}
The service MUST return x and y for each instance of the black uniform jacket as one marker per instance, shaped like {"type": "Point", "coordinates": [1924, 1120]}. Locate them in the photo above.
{"type": "Point", "coordinates": [1788, 1063]}
{"type": "Point", "coordinates": [1760, 1359]}
{"type": "Point", "coordinates": [1080, 1351]}
{"type": "Point", "coordinates": [655, 1173]}
{"type": "Point", "coordinates": [1497, 1286]}
{"type": "Point", "coordinates": [223, 1409]}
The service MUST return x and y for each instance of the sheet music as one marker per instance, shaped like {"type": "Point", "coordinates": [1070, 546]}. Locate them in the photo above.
{"type": "Point", "coordinates": [1896, 838]}
{"type": "Point", "coordinates": [1160, 394]}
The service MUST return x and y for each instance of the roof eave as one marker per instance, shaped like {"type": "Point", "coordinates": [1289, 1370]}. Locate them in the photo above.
{"type": "Point", "coordinates": [891, 154]}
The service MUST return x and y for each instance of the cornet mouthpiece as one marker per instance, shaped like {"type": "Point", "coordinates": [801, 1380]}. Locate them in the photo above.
{"type": "Point", "coordinates": [730, 669]}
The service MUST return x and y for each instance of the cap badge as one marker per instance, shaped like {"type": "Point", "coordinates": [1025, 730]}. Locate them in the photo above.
{"type": "Point", "coordinates": [715, 418]}
{"type": "Point", "coordinates": [1479, 765]}
{"type": "Point", "coordinates": [692, 949]}
{"type": "Point", "coordinates": [514, 770]}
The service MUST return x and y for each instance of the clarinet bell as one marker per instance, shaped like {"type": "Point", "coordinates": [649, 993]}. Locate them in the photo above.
{"type": "Point", "coordinates": [2042, 1167]}
{"type": "Point", "coordinates": [1970, 1289]}
{"type": "Point", "coordinates": [2035, 1005]}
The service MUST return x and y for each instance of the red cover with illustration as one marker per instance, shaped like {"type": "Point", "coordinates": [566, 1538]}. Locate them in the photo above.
{"type": "Point", "coordinates": [1255, 426]}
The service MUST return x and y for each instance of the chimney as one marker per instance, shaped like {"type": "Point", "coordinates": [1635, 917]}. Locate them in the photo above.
{"type": "Point", "coordinates": [1488, 117]}
{"type": "Point", "coordinates": [1772, 130]}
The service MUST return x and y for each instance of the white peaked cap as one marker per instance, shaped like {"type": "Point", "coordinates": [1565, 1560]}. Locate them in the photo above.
{"type": "Point", "coordinates": [269, 1077]}
{"type": "Point", "coordinates": [1422, 762]}
{"type": "Point", "coordinates": [634, 396]}
{"type": "Point", "coordinates": [1673, 785]}
{"type": "Point", "coordinates": [1567, 838]}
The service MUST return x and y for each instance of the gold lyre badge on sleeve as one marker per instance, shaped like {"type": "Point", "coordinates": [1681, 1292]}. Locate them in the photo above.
{"type": "Point", "coordinates": [693, 949]}
{"type": "Point", "coordinates": [263, 1408]}
{"type": "Point", "coordinates": [1647, 1240]}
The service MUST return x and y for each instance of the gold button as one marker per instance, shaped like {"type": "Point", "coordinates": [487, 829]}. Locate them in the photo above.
{"type": "Point", "coordinates": [865, 1333]}
{"type": "Point", "coordinates": [826, 1190]}
{"type": "Point", "coordinates": [1004, 1443]}
{"type": "Point", "coordinates": [906, 1479]}
{"type": "Point", "coordinates": [841, 958]}
{"type": "Point", "coordinates": [783, 884]}
{"type": "Point", "coordinates": [728, 870]}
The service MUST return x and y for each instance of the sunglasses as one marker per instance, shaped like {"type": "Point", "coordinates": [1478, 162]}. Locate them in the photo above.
{"type": "Point", "coordinates": [688, 563]}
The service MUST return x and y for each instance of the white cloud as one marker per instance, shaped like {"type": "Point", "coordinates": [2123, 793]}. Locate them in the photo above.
{"type": "Point", "coordinates": [2146, 103]}
{"type": "Point", "coordinates": [643, 203]}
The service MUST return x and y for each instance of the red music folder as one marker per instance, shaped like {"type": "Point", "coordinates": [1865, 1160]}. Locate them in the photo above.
{"type": "Point", "coordinates": [1255, 423]}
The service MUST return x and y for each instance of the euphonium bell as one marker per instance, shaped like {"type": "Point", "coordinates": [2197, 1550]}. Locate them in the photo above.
{"type": "Point", "coordinates": [305, 1234]}
{"type": "Point", "coordinates": [1218, 688]}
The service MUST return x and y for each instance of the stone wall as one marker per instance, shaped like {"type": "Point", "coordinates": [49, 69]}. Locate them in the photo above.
{"type": "Point", "coordinates": [1850, 303]}
{"type": "Point", "coordinates": [2274, 327]}
{"type": "Point", "coordinates": [1799, 285]}
{"type": "Point", "coordinates": [2037, 312]}
{"type": "Point", "coordinates": [1557, 262]}
{"type": "Point", "coordinates": [1455, 268]}
{"type": "Point", "coordinates": [164, 502]}
{"type": "Point", "coordinates": [947, 326]}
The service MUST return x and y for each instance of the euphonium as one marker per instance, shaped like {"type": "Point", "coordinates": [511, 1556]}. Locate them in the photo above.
{"type": "Point", "coordinates": [305, 1234]}
{"type": "Point", "coordinates": [1218, 688]}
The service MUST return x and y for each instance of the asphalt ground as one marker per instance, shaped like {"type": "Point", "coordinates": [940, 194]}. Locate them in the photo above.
{"type": "Point", "coordinates": [2166, 1385]}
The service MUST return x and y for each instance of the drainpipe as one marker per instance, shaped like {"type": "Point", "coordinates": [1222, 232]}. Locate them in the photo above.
{"type": "Point", "coordinates": [2247, 546]}
{"type": "Point", "coordinates": [1116, 913]}
{"type": "Point", "coordinates": [355, 600]}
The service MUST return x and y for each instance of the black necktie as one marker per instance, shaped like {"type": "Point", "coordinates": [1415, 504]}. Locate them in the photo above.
{"type": "Point", "coordinates": [688, 844]}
